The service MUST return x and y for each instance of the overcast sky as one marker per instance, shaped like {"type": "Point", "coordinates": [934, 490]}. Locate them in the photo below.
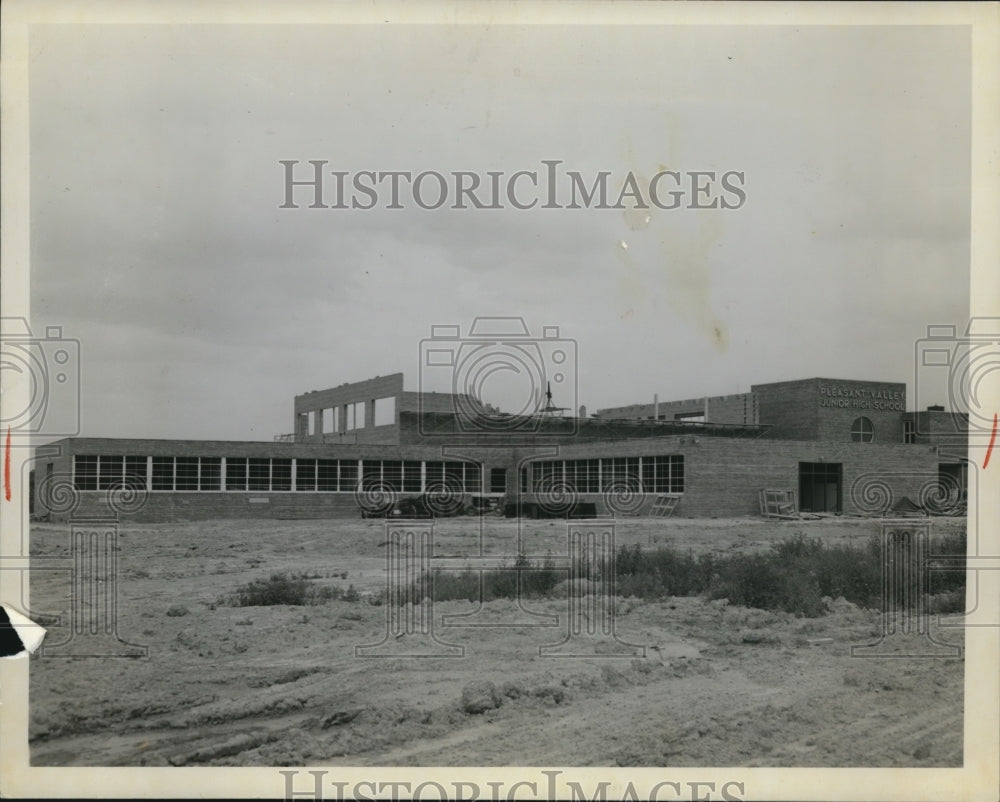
{"type": "Point", "coordinates": [202, 308]}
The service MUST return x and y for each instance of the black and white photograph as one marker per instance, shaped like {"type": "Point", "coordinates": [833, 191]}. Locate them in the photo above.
{"type": "Point", "coordinates": [500, 401]}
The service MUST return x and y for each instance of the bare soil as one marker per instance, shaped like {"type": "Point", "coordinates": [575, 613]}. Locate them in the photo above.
{"type": "Point", "coordinates": [273, 686]}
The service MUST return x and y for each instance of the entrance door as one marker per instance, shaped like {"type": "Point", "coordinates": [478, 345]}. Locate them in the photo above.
{"type": "Point", "coordinates": [820, 485]}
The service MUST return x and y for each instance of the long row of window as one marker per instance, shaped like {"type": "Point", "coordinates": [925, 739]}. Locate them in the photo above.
{"type": "Point", "coordinates": [662, 474]}
{"type": "Point", "coordinates": [270, 474]}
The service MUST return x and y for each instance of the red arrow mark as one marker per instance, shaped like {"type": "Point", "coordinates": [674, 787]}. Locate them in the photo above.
{"type": "Point", "coordinates": [993, 439]}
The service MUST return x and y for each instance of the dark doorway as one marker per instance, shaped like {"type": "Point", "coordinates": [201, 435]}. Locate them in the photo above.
{"type": "Point", "coordinates": [820, 485]}
{"type": "Point", "coordinates": [498, 480]}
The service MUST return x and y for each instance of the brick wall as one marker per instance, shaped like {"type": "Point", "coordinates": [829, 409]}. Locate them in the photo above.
{"type": "Point", "coordinates": [722, 475]}
{"type": "Point", "coordinates": [737, 408]}
{"type": "Point", "coordinates": [198, 505]}
{"type": "Point", "coordinates": [375, 435]}
{"type": "Point", "coordinates": [789, 408]}
{"type": "Point", "coordinates": [311, 405]}
{"type": "Point", "coordinates": [948, 430]}
{"type": "Point", "coordinates": [825, 409]}
{"type": "Point", "coordinates": [840, 403]}
{"type": "Point", "coordinates": [428, 402]}
{"type": "Point", "coordinates": [352, 393]}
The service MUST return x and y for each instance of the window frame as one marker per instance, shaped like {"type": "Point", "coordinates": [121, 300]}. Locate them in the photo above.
{"type": "Point", "coordinates": [858, 432]}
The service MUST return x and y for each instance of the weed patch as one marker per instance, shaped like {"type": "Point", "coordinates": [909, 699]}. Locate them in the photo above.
{"type": "Point", "coordinates": [793, 576]}
{"type": "Point", "coordinates": [284, 588]}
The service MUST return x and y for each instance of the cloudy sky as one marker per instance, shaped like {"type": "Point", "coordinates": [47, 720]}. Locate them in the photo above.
{"type": "Point", "coordinates": [202, 307]}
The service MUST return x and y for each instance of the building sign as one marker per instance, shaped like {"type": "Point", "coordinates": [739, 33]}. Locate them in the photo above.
{"type": "Point", "coordinates": [881, 399]}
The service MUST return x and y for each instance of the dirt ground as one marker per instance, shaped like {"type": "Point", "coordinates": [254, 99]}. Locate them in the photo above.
{"type": "Point", "coordinates": [272, 686]}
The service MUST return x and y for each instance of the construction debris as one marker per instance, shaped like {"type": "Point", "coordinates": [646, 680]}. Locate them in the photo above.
{"type": "Point", "coordinates": [664, 505]}
{"type": "Point", "coordinates": [779, 504]}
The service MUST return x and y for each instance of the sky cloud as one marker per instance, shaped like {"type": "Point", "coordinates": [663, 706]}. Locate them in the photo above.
{"type": "Point", "coordinates": [202, 307]}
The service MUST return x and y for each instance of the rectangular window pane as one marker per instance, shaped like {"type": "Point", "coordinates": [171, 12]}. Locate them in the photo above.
{"type": "Point", "coordinates": [392, 474]}
{"type": "Point", "coordinates": [473, 478]}
{"type": "Point", "coordinates": [677, 473]}
{"type": "Point", "coordinates": [411, 477]}
{"type": "Point", "coordinates": [498, 480]}
{"type": "Point", "coordinates": [163, 473]}
{"type": "Point", "coordinates": [607, 473]}
{"type": "Point", "coordinates": [135, 472]}
{"type": "Point", "coordinates": [85, 472]}
{"type": "Point", "coordinates": [305, 474]}
{"type": "Point", "coordinates": [632, 468]}
{"type": "Point", "coordinates": [236, 473]}
{"type": "Point", "coordinates": [568, 472]}
{"type": "Point", "coordinates": [372, 472]}
{"type": "Point", "coordinates": [453, 475]}
{"type": "Point", "coordinates": [435, 475]}
{"type": "Point", "coordinates": [186, 473]}
{"type": "Point", "coordinates": [110, 470]}
{"type": "Point", "coordinates": [281, 474]}
{"type": "Point", "coordinates": [348, 475]}
{"type": "Point", "coordinates": [259, 473]}
{"type": "Point", "coordinates": [211, 473]}
{"type": "Point", "coordinates": [570, 467]}
{"type": "Point", "coordinates": [618, 471]}
{"type": "Point", "coordinates": [545, 474]}
{"type": "Point", "coordinates": [326, 475]}
{"type": "Point", "coordinates": [649, 474]}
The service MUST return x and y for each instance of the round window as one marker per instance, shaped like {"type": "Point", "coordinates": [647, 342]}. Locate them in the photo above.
{"type": "Point", "coordinates": [862, 430]}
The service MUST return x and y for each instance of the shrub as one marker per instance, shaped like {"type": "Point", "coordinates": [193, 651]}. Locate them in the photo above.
{"type": "Point", "coordinates": [452, 585]}
{"type": "Point", "coordinates": [480, 696]}
{"type": "Point", "coordinates": [541, 580]}
{"type": "Point", "coordinates": [953, 602]}
{"type": "Point", "coordinates": [283, 588]}
{"type": "Point", "coordinates": [521, 579]}
{"type": "Point", "coordinates": [793, 576]}
{"type": "Point", "coordinates": [279, 588]}
{"type": "Point", "coordinates": [952, 578]}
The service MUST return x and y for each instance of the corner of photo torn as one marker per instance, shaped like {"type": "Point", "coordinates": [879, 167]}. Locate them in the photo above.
{"type": "Point", "coordinates": [19, 635]}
